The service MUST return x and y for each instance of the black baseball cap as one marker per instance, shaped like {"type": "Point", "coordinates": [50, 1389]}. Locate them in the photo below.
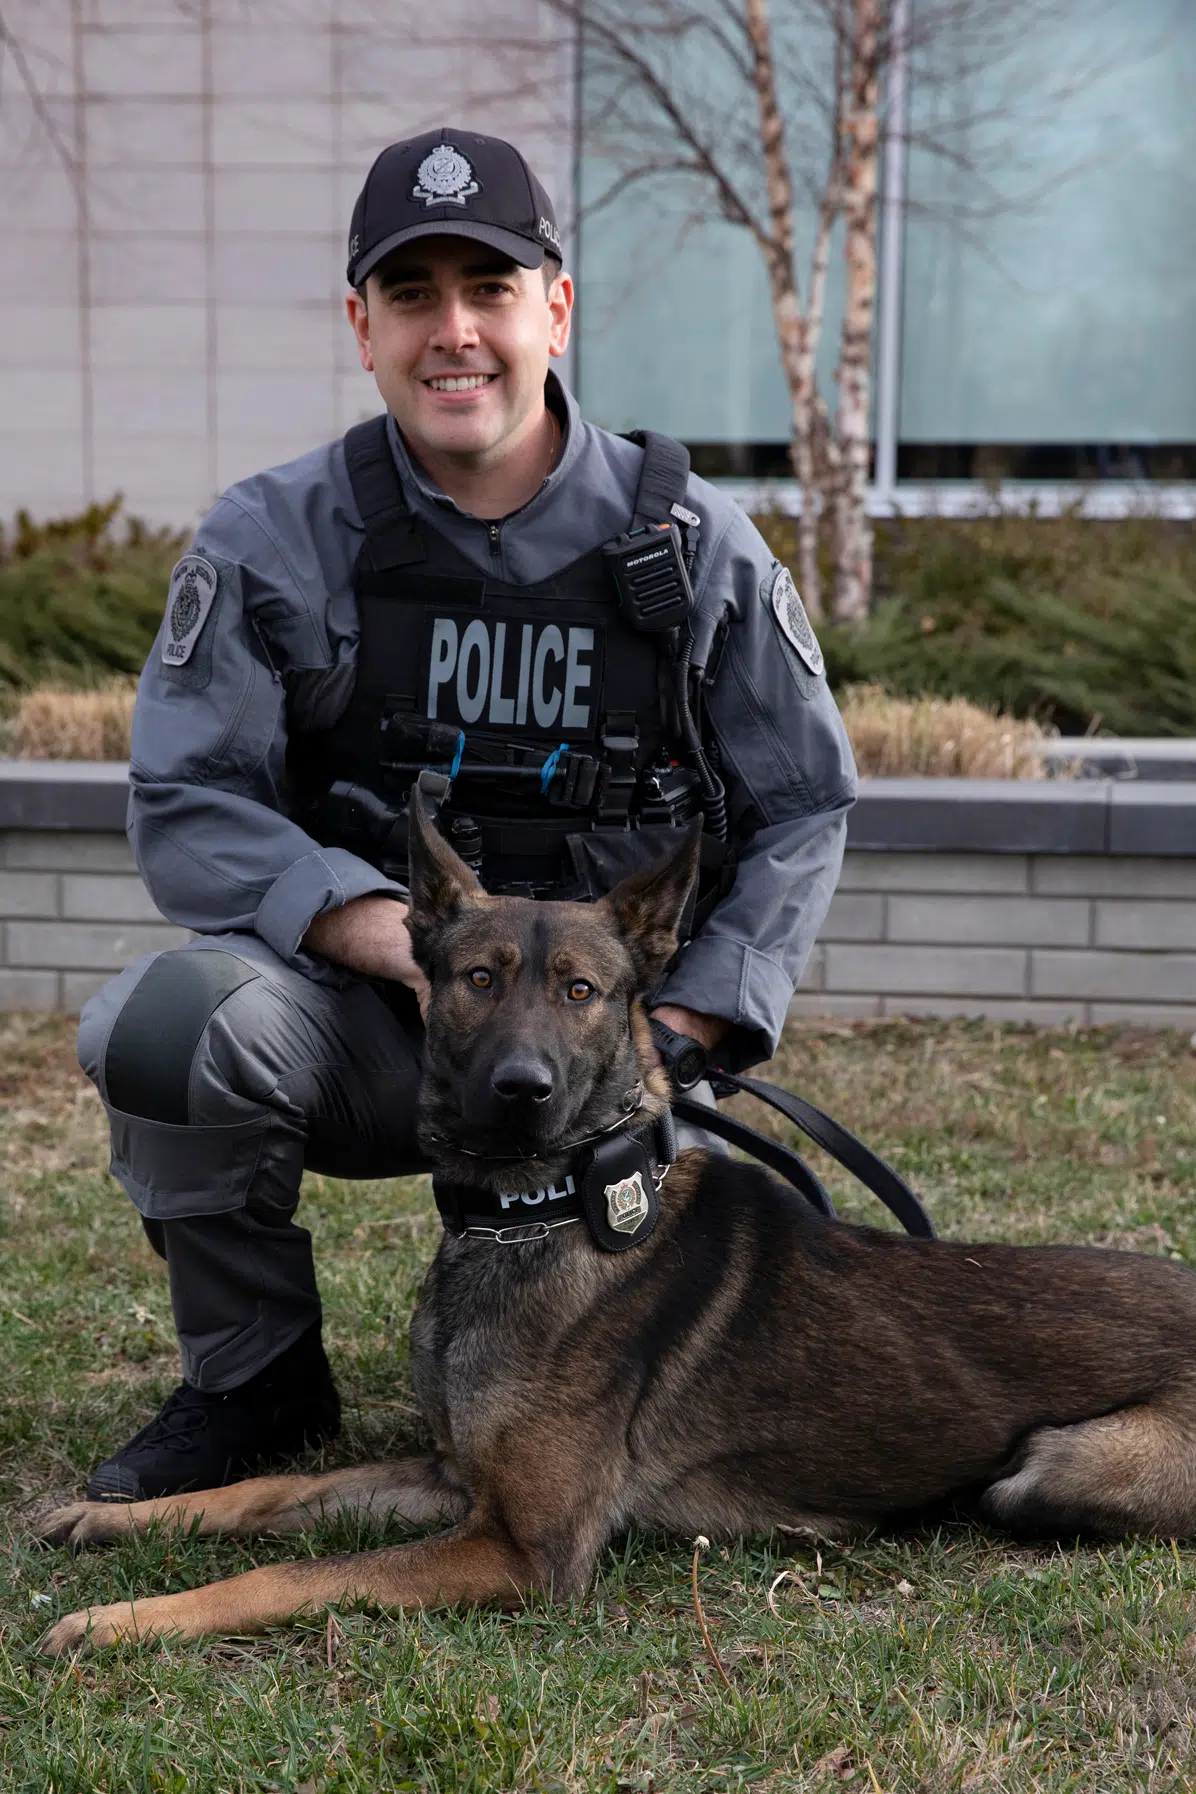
{"type": "Point", "coordinates": [455, 184]}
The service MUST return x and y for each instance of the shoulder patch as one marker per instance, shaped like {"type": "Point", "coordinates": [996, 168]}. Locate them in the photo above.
{"type": "Point", "coordinates": [192, 588]}
{"type": "Point", "coordinates": [794, 624]}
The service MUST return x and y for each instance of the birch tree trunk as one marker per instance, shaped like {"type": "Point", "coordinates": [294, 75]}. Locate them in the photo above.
{"type": "Point", "coordinates": [797, 336]}
{"type": "Point", "coordinates": [861, 140]}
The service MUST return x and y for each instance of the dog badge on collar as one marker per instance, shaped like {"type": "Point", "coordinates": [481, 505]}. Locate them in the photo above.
{"type": "Point", "coordinates": [618, 1193]}
{"type": "Point", "coordinates": [627, 1204]}
{"type": "Point", "coordinates": [445, 178]}
{"type": "Point", "coordinates": [790, 613]}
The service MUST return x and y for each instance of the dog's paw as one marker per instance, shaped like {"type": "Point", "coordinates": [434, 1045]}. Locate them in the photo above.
{"type": "Point", "coordinates": [91, 1628]}
{"type": "Point", "coordinates": [83, 1523]}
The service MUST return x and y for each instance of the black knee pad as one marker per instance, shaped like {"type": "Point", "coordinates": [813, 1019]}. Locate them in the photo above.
{"type": "Point", "coordinates": [147, 1065]}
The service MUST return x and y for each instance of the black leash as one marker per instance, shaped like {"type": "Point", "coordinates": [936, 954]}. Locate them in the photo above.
{"type": "Point", "coordinates": [864, 1164]}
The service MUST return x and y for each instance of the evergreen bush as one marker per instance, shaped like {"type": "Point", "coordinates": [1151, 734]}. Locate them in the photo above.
{"type": "Point", "coordinates": [1078, 623]}
{"type": "Point", "coordinates": [81, 597]}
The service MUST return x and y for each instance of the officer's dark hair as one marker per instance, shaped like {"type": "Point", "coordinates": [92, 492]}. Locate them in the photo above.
{"type": "Point", "coordinates": [549, 269]}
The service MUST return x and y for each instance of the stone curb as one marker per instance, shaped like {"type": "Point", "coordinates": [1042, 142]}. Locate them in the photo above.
{"type": "Point", "coordinates": [64, 794]}
{"type": "Point", "coordinates": [1089, 816]}
{"type": "Point", "coordinates": [1041, 816]}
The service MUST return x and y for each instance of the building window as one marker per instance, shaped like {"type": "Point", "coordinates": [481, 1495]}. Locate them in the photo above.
{"type": "Point", "coordinates": [1049, 279]}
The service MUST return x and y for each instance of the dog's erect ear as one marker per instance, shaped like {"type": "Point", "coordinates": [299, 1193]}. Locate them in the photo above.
{"type": "Point", "coordinates": [648, 906]}
{"type": "Point", "coordinates": [440, 882]}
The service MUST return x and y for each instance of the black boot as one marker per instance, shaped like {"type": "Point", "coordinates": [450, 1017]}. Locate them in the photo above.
{"type": "Point", "coordinates": [199, 1441]}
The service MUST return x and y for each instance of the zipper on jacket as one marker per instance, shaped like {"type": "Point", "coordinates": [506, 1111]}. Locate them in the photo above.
{"type": "Point", "coordinates": [493, 531]}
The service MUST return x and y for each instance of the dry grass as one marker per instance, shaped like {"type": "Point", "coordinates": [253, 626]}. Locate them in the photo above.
{"type": "Point", "coordinates": [945, 738]}
{"type": "Point", "coordinates": [74, 725]}
{"type": "Point", "coordinates": [936, 737]}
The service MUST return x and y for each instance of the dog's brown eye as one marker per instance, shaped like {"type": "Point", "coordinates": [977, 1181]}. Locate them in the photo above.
{"type": "Point", "coordinates": [480, 978]}
{"type": "Point", "coordinates": [579, 990]}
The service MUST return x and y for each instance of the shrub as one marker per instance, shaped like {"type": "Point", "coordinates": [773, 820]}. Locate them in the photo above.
{"type": "Point", "coordinates": [1075, 623]}
{"type": "Point", "coordinates": [1079, 623]}
{"type": "Point", "coordinates": [945, 738]}
{"type": "Point", "coordinates": [81, 598]}
{"type": "Point", "coordinates": [73, 725]}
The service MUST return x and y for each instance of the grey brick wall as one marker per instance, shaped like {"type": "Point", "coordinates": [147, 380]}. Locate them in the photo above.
{"type": "Point", "coordinates": [1050, 938]}
{"type": "Point", "coordinates": [72, 912]}
{"type": "Point", "coordinates": [1016, 937]}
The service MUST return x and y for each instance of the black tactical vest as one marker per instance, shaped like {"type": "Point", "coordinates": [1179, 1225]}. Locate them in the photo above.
{"type": "Point", "coordinates": [549, 718]}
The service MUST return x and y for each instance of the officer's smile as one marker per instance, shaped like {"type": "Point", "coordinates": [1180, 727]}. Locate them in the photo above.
{"type": "Point", "coordinates": [459, 382]}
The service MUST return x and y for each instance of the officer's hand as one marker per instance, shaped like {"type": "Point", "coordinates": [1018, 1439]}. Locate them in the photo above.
{"type": "Point", "coordinates": [707, 1030]}
{"type": "Point", "coordinates": [369, 935]}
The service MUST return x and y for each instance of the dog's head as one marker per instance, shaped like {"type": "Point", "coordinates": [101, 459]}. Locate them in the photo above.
{"type": "Point", "coordinates": [536, 1035]}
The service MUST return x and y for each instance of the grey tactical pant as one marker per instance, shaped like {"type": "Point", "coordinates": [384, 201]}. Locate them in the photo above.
{"type": "Point", "coordinates": [225, 1072]}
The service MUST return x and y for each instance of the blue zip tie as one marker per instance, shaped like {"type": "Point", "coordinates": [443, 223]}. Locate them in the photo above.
{"type": "Point", "coordinates": [548, 770]}
{"type": "Point", "coordinates": [453, 770]}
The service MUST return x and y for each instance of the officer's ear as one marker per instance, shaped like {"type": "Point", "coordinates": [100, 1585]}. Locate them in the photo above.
{"type": "Point", "coordinates": [648, 906]}
{"type": "Point", "coordinates": [440, 882]}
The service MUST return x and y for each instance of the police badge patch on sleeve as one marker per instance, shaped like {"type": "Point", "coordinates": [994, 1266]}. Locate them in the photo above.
{"type": "Point", "coordinates": [192, 589]}
{"type": "Point", "coordinates": [790, 614]}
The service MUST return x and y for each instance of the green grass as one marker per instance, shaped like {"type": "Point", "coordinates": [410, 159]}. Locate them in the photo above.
{"type": "Point", "coordinates": [946, 1659]}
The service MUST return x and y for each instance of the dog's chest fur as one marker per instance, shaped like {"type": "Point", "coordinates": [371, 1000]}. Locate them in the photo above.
{"type": "Point", "coordinates": [489, 1322]}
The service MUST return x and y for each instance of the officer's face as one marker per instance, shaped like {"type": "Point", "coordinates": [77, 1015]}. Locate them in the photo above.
{"type": "Point", "coordinates": [459, 342]}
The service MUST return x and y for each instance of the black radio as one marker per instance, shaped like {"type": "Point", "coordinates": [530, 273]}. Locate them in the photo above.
{"type": "Point", "coordinates": [648, 567]}
{"type": "Point", "coordinates": [669, 794]}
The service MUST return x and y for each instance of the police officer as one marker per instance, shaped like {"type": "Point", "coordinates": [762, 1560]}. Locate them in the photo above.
{"type": "Point", "coordinates": [571, 644]}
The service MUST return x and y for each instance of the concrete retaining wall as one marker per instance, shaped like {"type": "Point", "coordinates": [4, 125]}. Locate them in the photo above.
{"type": "Point", "coordinates": [72, 912]}
{"type": "Point", "coordinates": [1019, 937]}
{"type": "Point", "coordinates": [1021, 901]}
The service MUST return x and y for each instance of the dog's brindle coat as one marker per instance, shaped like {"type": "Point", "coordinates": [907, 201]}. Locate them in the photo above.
{"type": "Point", "coordinates": [749, 1366]}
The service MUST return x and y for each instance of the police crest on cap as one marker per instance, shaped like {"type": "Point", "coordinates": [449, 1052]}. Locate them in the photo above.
{"type": "Point", "coordinates": [790, 614]}
{"type": "Point", "coordinates": [445, 177]}
{"type": "Point", "coordinates": [192, 589]}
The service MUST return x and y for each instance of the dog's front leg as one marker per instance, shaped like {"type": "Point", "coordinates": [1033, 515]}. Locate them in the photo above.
{"type": "Point", "coordinates": [415, 1491]}
{"type": "Point", "coordinates": [474, 1562]}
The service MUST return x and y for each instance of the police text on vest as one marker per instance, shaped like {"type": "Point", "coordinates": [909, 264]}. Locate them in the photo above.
{"type": "Point", "coordinates": [498, 672]}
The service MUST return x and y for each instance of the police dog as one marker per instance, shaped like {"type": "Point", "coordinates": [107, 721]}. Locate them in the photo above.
{"type": "Point", "coordinates": [749, 1365]}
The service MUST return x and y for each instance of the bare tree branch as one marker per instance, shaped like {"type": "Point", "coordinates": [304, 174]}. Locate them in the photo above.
{"type": "Point", "coordinates": [772, 118]}
{"type": "Point", "coordinates": [734, 206]}
{"type": "Point", "coordinates": [9, 44]}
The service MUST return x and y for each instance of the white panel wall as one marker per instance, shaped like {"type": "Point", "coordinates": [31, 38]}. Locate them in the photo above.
{"type": "Point", "coordinates": [175, 194]}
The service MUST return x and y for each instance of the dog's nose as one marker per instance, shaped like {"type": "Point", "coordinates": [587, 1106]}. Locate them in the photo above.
{"type": "Point", "coordinates": [519, 1079]}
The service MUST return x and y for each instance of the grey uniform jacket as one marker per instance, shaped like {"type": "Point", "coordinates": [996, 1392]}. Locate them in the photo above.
{"type": "Point", "coordinates": [276, 653]}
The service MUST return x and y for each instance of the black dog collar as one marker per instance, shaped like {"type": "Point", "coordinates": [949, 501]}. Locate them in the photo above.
{"type": "Point", "coordinates": [612, 1185]}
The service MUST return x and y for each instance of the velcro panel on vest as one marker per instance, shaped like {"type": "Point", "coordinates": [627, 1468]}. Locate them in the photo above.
{"type": "Point", "coordinates": [664, 477]}
{"type": "Point", "coordinates": [392, 538]}
{"type": "Point", "coordinates": [147, 1066]}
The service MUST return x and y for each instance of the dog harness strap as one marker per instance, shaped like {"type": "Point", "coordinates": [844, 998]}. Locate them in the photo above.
{"type": "Point", "coordinates": [852, 1154]}
{"type": "Point", "coordinates": [613, 1186]}
{"type": "Point", "coordinates": [464, 1207]}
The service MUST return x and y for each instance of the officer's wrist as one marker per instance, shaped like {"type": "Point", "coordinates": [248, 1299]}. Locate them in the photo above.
{"type": "Point", "coordinates": [368, 934]}
{"type": "Point", "coordinates": [707, 1030]}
